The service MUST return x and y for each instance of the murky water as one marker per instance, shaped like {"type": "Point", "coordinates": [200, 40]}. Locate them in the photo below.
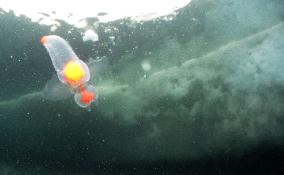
{"type": "Point", "coordinates": [195, 91]}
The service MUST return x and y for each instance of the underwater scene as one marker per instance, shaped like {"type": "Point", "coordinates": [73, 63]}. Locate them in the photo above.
{"type": "Point", "coordinates": [191, 87]}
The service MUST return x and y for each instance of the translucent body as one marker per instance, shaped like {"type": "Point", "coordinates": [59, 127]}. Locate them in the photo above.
{"type": "Point", "coordinates": [71, 71]}
{"type": "Point", "coordinates": [62, 53]}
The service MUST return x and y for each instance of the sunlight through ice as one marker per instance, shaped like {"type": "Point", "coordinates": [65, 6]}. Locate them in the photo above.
{"type": "Point", "coordinates": [106, 10]}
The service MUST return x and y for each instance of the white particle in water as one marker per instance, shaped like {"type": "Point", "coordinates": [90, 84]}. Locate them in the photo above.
{"type": "Point", "coordinates": [146, 65]}
{"type": "Point", "coordinates": [90, 35]}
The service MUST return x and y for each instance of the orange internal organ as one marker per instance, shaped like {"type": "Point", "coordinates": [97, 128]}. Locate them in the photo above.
{"type": "Point", "coordinates": [43, 40]}
{"type": "Point", "coordinates": [87, 97]}
{"type": "Point", "coordinates": [73, 73]}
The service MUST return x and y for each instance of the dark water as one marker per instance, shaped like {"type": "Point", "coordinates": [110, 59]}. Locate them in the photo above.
{"type": "Point", "coordinates": [212, 101]}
